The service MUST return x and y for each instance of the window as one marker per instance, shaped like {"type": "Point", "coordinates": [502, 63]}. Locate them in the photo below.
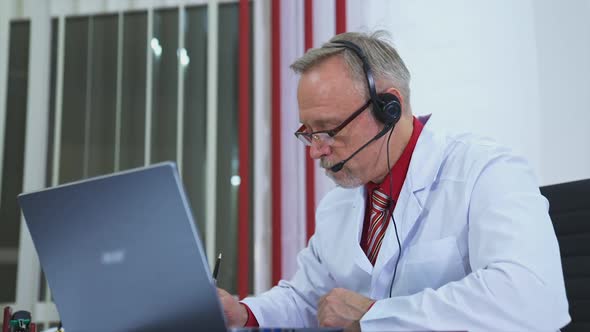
{"type": "Point", "coordinates": [133, 92]}
{"type": "Point", "coordinates": [13, 157]}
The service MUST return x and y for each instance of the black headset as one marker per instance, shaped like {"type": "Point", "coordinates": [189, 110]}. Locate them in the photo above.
{"type": "Point", "coordinates": [386, 106]}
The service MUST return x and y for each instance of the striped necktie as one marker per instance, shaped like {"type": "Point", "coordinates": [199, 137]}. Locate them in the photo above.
{"type": "Point", "coordinates": [380, 204]}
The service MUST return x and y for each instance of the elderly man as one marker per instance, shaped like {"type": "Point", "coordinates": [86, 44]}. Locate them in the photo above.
{"type": "Point", "coordinates": [426, 231]}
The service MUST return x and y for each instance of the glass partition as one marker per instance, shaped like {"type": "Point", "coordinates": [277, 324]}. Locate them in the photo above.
{"type": "Point", "coordinates": [164, 44]}
{"type": "Point", "coordinates": [104, 112]}
{"type": "Point", "coordinates": [75, 103]}
{"type": "Point", "coordinates": [133, 90]}
{"type": "Point", "coordinates": [195, 112]}
{"type": "Point", "coordinates": [13, 156]}
{"type": "Point", "coordinates": [102, 103]}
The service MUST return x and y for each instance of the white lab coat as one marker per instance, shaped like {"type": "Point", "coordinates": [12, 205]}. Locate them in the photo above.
{"type": "Point", "coordinates": [478, 249]}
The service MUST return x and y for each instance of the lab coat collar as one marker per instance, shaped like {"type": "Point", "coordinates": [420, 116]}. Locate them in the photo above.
{"type": "Point", "coordinates": [426, 159]}
{"type": "Point", "coordinates": [424, 167]}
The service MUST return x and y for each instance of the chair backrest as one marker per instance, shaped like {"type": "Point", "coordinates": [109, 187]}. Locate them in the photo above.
{"type": "Point", "coordinates": [570, 213]}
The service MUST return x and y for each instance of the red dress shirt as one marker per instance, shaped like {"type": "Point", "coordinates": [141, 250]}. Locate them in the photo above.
{"type": "Point", "coordinates": [397, 174]}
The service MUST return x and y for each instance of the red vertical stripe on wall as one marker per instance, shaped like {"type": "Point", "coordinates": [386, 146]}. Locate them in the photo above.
{"type": "Point", "coordinates": [276, 139]}
{"type": "Point", "coordinates": [244, 146]}
{"type": "Point", "coordinates": [340, 16]}
{"type": "Point", "coordinates": [309, 163]}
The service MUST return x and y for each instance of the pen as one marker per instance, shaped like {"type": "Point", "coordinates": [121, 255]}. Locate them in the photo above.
{"type": "Point", "coordinates": [216, 269]}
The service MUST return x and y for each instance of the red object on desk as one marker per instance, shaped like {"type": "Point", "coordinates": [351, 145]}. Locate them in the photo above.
{"type": "Point", "coordinates": [6, 321]}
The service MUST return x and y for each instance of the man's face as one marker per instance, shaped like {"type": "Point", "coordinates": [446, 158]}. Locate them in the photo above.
{"type": "Point", "coordinates": [327, 97]}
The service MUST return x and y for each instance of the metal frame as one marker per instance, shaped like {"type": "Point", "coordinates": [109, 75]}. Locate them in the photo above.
{"type": "Point", "coordinates": [261, 125]}
{"type": "Point", "coordinates": [28, 271]}
{"type": "Point", "coordinates": [59, 83]}
{"type": "Point", "coordinates": [58, 8]}
{"type": "Point", "coordinates": [180, 91]}
{"type": "Point", "coordinates": [120, 42]}
{"type": "Point", "coordinates": [61, 35]}
{"type": "Point", "coordinates": [87, 107]}
{"type": "Point", "coordinates": [148, 88]}
{"type": "Point", "coordinates": [211, 161]}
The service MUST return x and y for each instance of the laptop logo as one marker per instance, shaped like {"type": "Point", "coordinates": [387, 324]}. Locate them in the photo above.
{"type": "Point", "coordinates": [113, 257]}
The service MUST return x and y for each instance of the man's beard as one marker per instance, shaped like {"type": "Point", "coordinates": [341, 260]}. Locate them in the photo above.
{"type": "Point", "coordinates": [346, 179]}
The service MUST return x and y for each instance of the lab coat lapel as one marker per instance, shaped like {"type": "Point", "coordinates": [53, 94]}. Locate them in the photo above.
{"type": "Point", "coordinates": [422, 173]}
{"type": "Point", "coordinates": [424, 166]}
{"type": "Point", "coordinates": [407, 211]}
{"type": "Point", "coordinates": [359, 256]}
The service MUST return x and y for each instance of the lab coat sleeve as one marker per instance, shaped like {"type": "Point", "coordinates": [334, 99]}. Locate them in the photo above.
{"type": "Point", "coordinates": [516, 283]}
{"type": "Point", "coordinates": [294, 303]}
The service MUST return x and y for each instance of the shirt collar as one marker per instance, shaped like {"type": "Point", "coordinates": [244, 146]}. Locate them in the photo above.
{"type": "Point", "coordinates": [400, 168]}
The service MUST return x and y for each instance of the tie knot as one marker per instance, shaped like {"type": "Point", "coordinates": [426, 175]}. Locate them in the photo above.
{"type": "Point", "coordinates": [380, 200]}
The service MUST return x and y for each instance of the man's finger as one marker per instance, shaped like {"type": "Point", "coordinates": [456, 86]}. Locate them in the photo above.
{"type": "Point", "coordinates": [221, 293]}
{"type": "Point", "coordinates": [325, 311]}
{"type": "Point", "coordinates": [321, 312]}
{"type": "Point", "coordinates": [354, 327]}
{"type": "Point", "coordinates": [322, 300]}
{"type": "Point", "coordinates": [323, 316]}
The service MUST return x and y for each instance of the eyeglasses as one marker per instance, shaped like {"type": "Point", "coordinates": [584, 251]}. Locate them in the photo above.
{"type": "Point", "coordinates": [324, 137]}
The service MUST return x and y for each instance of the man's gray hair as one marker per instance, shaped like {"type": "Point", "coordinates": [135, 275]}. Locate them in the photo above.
{"type": "Point", "coordinates": [386, 64]}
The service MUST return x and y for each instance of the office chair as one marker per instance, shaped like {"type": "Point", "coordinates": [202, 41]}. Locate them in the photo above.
{"type": "Point", "coordinates": [570, 213]}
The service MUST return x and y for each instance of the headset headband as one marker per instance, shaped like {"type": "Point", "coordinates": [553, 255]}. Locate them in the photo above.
{"type": "Point", "coordinates": [367, 69]}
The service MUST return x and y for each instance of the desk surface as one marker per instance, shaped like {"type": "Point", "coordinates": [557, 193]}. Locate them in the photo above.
{"type": "Point", "coordinates": [261, 329]}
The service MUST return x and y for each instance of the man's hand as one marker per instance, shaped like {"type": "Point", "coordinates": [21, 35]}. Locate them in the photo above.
{"type": "Point", "coordinates": [343, 308]}
{"type": "Point", "coordinates": [235, 313]}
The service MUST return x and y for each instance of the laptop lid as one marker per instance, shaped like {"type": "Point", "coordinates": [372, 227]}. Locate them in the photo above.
{"type": "Point", "coordinates": [122, 253]}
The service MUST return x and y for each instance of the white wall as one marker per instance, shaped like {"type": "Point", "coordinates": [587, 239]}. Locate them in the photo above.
{"type": "Point", "coordinates": [563, 42]}
{"type": "Point", "coordinates": [324, 28]}
{"type": "Point", "coordinates": [488, 67]}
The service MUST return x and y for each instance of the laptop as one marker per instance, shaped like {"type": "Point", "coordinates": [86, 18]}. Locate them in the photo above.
{"type": "Point", "coordinates": [121, 253]}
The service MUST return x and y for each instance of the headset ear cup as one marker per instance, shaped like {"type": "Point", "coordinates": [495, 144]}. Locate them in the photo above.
{"type": "Point", "coordinates": [391, 109]}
